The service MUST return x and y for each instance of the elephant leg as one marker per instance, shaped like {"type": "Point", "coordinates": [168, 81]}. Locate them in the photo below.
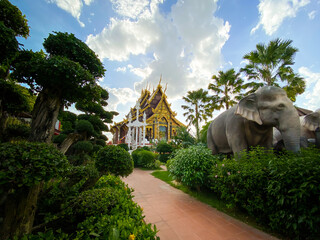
{"type": "Point", "coordinates": [210, 143]}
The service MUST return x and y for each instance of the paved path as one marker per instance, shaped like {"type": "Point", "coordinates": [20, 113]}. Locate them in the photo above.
{"type": "Point", "coordinates": [181, 217]}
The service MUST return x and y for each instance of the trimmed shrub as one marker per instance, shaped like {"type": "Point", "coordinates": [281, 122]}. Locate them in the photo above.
{"type": "Point", "coordinates": [135, 156]}
{"type": "Point", "coordinates": [124, 146]}
{"type": "Point", "coordinates": [192, 166]}
{"type": "Point", "coordinates": [83, 147]}
{"type": "Point", "coordinates": [84, 126]}
{"type": "Point", "coordinates": [27, 164]}
{"type": "Point", "coordinates": [164, 149]}
{"type": "Point", "coordinates": [115, 160]}
{"type": "Point", "coordinates": [145, 158]}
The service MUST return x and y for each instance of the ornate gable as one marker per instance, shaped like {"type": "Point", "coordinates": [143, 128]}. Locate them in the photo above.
{"type": "Point", "coordinates": [160, 119]}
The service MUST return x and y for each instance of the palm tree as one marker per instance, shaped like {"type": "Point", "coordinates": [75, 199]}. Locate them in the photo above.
{"type": "Point", "coordinates": [198, 109]}
{"type": "Point", "coordinates": [272, 65]}
{"type": "Point", "coordinates": [227, 86]}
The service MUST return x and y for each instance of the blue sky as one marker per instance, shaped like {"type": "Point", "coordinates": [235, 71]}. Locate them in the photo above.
{"type": "Point", "coordinates": [185, 41]}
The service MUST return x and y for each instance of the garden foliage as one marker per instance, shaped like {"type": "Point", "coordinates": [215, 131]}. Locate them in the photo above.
{"type": "Point", "coordinates": [104, 212]}
{"type": "Point", "coordinates": [26, 164]}
{"type": "Point", "coordinates": [280, 191]}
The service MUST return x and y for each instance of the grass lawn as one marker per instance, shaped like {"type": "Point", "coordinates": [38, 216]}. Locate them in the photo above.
{"type": "Point", "coordinates": [211, 199]}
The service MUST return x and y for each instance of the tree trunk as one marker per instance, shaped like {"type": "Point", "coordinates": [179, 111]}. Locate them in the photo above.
{"type": "Point", "coordinates": [19, 212]}
{"type": "Point", "coordinates": [71, 138]}
{"type": "Point", "coordinates": [44, 116]}
{"type": "Point", "coordinates": [197, 122]}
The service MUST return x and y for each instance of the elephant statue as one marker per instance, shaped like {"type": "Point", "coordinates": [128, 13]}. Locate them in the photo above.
{"type": "Point", "coordinates": [251, 122]}
{"type": "Point", "coordinates": [310, 131]}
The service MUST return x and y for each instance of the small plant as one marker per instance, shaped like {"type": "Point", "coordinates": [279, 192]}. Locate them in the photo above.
{"type": "Point", "coordinates": [115, 160]}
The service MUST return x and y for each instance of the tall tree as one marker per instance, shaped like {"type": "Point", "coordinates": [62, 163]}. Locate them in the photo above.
{"type": "Point", "coordinates": [12, 24]}
{"type": "Point", "coordinates": [198, 108]}
{"type": "Point", "coordinates": [272, 64]}
{"type": "Point", "coordinates": [66, 75]}
{"type": "Point", "coordinates": [227, 87]}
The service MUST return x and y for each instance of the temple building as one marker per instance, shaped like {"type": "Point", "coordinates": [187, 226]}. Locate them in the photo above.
{"type": "Point", "coordinates": [156, 121]}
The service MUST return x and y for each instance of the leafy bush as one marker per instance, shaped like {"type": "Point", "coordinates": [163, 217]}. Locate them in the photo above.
{"type": "Point", "coordinates": [27, 164]}
{"type": "Point", "coordinates": [83, 147]}
{"type": "Point", "coordinates": [145, 158]}
{"type": "Point", "coordinates": [294, 194]}
{"type": "Point", "coordinates": [105, 212]}
{"type": "Point", "coordinates": [243, 182]}
{"type": "Point", "coordinates": [164, 149]}
{"type": "Point", "coordinates": [192, 166]}
{"type": "Point", "coordinates": [281, 191]}
{"type": "Point", "coordinates": [135, 156]}
{"type": "Point", "coordinates": [124, 146]}
{"type": "Point", "coordinates": [115, 160]}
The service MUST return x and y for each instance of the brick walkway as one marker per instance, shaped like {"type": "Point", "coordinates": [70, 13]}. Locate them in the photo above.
{"type": "Point", "coordinates": [179, 216]}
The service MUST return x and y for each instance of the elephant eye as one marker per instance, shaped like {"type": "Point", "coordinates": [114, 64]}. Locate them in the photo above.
{"type": "Point", "coordinates": [281, 106]}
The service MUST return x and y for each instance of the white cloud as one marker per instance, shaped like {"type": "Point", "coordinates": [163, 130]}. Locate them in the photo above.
{"type": "Point", "coordinates": [130, 8]}
{"type": "Point", "coordinates": [121, 96]}
{"type": "Point", "coordinates": [121, 69]}
{"type": "Point", "coordinates": [121, 38]}
{"type": "Point", "coordinates": [88, 2]}
{"type": "Point", "coordinates": [310, 98]}
{"type": "Point", "coordinates": [312, 15]}
{"type": "Point", "coordinates": [274, 12]}
{"type": "Point", "coordinates": [74, 7]}
{"type": "Point", "coordinates": [183, 46]}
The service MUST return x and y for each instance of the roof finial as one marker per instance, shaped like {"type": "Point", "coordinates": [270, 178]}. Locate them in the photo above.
{"type": "Point", "coordinates": [166, 87]}
{"type": "Point", "coordinates": [159, 85]}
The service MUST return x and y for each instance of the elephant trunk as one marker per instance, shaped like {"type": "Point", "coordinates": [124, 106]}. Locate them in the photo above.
{"type": "Point", "coordinates": [290, 132]}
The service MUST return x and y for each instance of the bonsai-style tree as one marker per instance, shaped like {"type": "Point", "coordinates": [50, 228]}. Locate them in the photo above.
{"type": "Point", "coordinates": [66, 75]}
{"type": "Point", "coordinates": [272, 63]}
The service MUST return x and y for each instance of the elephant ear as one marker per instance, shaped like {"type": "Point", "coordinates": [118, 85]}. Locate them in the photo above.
{"type": "Point", "coordinates": [311, 121]}
{"type": "Point", "coordinates": [248, 108]}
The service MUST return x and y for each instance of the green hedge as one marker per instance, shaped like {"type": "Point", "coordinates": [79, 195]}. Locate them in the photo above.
{"type": "Point", "coordinates": [281, 191]}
